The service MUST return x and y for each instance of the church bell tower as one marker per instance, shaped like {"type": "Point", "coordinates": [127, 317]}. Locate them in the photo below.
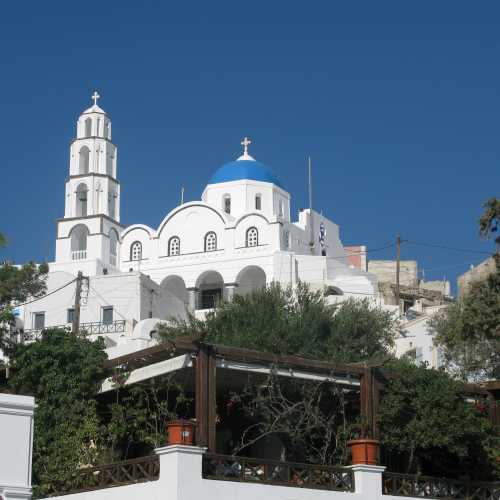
{"type": "Point", "coordinates": [91, 225]}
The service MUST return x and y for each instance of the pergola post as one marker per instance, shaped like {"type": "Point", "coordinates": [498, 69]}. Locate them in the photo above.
{"type": "Point", "coordinates": [369, 400]}
{"type": "Point", "coordinates": [205, 397]}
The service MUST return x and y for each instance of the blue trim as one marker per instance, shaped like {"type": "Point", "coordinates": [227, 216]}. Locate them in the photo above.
{"type": "Point", "coordinates": [245, 169]}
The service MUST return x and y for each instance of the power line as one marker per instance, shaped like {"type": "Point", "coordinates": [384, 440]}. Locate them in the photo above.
{"type": "Point", "coordinates": [46, 295]}
{"type": "Point", "coordinates": [444, 247]}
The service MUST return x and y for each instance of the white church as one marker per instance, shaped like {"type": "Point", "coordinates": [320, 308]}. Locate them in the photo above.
{"type": "Point", "coordinates": [237, 238]}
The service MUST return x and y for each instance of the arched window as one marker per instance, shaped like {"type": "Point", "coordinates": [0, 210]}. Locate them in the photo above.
{"type": "Point", "coordinates": [113, 247]}
{"type": "Point", "coordinates": [226, 203]}
{"type": "Point", "coordinates": [112, 204]}
{"type": "Point", "coordinates": [210, 242]}
{"type": "Point", "coordinates": [81, 200]}
{"type": "Point", "coordinates": [79, 242]}
{"type": "Point", "coordinates": [258, 202]}
{"type": "Point", "coordinates": [136, 250]}
{"type": "Point", "coordinates": [88, 127]}
{"type": "Point", "coordinates": [281, 209]}
{"type": "Point", "coordinates": [84, 160]}
{"type": "Point", "coordinates": [98, 127]}
{"type": "Point", "coordinates": [174, 246]}
{"type": "Point", "coordinates": [252, 239]}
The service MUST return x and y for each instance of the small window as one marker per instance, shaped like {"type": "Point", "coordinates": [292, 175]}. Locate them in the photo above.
{"type": "Point", "coordinates": [227, 204]}
{"type": "Point", "coordinates": [39, 321]}
{"type": "Point", "coordinates": [174, 246]}
{"type": "Point", "coordinates": [210, 242]}
{"type": "Point", "coordinates": [70, 316]}
{"type": "Point", "coordinates": [281, 209]}
{"type": "Point", "coordinates": [136, 251]}
{"type": "Point", "coordinates": [252, 239]}
{"type": "Point", "coordinates": [258, 202]}
{"type": "Point", "coordinates": [107, 315]}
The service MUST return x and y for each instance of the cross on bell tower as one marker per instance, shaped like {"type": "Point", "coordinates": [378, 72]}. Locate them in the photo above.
{"type": "Point", "coordinates": [95, 97]}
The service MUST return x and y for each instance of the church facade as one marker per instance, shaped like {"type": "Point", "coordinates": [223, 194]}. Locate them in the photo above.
{"type": "Point", "coordinates": [237, 238]}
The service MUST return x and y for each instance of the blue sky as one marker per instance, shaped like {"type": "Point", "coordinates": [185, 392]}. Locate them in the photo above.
{"type": "Point", "coordinates": [398, 104]}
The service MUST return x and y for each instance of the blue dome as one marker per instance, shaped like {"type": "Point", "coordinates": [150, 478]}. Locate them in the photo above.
{"type": "Point", "coordinates": [245, 169]}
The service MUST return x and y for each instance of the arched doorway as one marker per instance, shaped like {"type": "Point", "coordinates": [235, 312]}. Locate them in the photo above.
{"type": "Point", "coordinates": [210, 286]}
{"type": "Point", "coordinates": [174, 297]}
{"type": "Point", "coordinates": [249, 279]}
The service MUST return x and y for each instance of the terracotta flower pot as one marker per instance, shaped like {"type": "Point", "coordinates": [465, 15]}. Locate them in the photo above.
{"type": "Point", "coordinates": [364, 451]}
{"type": "Point", "coordinates": [180, 432]}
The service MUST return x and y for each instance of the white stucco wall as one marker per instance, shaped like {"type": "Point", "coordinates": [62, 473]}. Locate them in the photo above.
{"type": "Point", "coordinates": [16, 443]}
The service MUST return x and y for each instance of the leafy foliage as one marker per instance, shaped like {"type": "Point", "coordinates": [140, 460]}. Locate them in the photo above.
{"type": "Point", "coordinates": [140, 414]}
{"type": "Point", "coordinates": [425, 418]}
{"type": "Point", "coordinates": [490, 219]}
{"type": "Point", "coordinates": [300, 322]}
{"type": "Point", "coordinates": [18, 284]}
{"type": "Point", "coordinates": [63, 373]}
{"type": "Point", "coordinates": [468, 331]}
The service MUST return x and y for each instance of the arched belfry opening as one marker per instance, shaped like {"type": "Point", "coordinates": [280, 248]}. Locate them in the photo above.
{"type": "Point", "coordinates": [84, 160]}
{"type": "Point", "coordinates": [78, 237]}
{"type": "Point", "coordinates": [81, 200]}
{"type": "Point", "coordinates": [88, 127]}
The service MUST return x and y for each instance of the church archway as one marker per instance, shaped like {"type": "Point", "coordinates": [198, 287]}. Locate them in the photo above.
{"type": "Point", "coordinates": [81, 200]}
{"type": "Point", "coordinates": [174, 296]}
{"type": "Point", "coordinates": [249, 279]}
{"type": "Point", "coordinates": [78, 237]}
{"type": "Point", "coordinates": [210, 287]}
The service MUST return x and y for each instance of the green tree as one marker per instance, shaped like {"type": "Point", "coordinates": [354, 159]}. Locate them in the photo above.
{"type": "Point", "coordinates": [490, 219]}
{"type": "Point", "coordinates": [18, 284]}
{"type": "Point", "coordinates": [425, 419]}
{"type": "Point", "coordinates": [468, 331]}
{"type": "Point", "coordinates": [63, 372]}
{"type": "Point", "coordinates": [300, 322]}
{"type": "Point", "coordinates": [3, 240]}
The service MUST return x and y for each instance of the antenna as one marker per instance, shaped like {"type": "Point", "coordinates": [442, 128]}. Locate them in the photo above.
{"type": "Point", "coordinates": [311, 223]}
{"type": "Point", "coordinates": [182, 195]}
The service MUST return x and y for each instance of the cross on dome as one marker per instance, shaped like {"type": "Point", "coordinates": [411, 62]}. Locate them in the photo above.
{"type": "Point", "coordinates": [245, 143]}
{"type": "Point", "coordinates": [95, 96]}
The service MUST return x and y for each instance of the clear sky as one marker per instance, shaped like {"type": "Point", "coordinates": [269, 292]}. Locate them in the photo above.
{"type": "Point", "coordinates": [398, 104]}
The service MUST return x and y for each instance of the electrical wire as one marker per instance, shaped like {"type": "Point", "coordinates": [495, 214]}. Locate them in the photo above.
{"type": "Point", "coordinates": [46, 295]}
{"type": "Point", "coordinates": [444, 247]}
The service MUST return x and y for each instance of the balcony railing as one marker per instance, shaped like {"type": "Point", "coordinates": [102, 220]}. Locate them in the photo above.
{"type": "Point", "coordinates": [252, 470]}
{"type": "Point", "coordinates": [93, 328]}
{"type": "Point", "coordinates": [78, 254]}
{"type": "Point", "coordinates": [99, 328]}
{"type": "Point", "coordinates": [137, 470]}
{"type": "Point", "coordinates": [406, 485]}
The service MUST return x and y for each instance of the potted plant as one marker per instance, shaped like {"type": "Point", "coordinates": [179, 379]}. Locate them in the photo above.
{"type": "Point", "coordinates": [180, 432]}
{"type": "Point", "coordinates": [364, 449]}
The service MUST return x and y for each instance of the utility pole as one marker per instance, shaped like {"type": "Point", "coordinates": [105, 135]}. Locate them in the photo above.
{"type": "Point", "coordinates": [78, 296]}
{"type": "Point", "coordinates": [398, 265]}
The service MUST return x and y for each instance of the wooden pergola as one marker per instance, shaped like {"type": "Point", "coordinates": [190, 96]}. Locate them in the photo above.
{"type": "Point", "coordinates": [206, 359]}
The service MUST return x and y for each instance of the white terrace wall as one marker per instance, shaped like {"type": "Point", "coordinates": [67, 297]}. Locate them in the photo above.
{"type": "Point", "coordinates": [16, 443]}
{"type": "Point", "coordinates": [181, 479]}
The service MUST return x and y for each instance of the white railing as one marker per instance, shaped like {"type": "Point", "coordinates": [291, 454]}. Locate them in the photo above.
{"type": "Point", "coordinates": [79, 254]}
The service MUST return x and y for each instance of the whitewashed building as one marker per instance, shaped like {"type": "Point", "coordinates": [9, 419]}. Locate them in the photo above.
{"type": "Point", "coordinates": [236, 238]}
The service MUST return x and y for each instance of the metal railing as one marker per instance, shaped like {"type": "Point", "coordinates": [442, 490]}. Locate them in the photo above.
{"type": "Point", "coordinates": [92, 328]}
{"type": "Point", "coordinates": [97, 327]}
{"type": "Point", "coordinates": [78, 254]}
{"type": "Point", "coordinates": [253, 470]}
{"type": "Point", "coordinates": [137, 470]}
{"type": "Point", "coordinates": [407, 485]}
